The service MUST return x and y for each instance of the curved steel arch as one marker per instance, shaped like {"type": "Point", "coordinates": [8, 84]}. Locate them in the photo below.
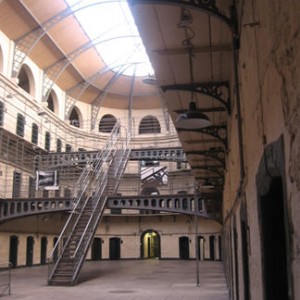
{"type": "Point", "coordinates": [53, 72]}
{"type": "Point", "coordinates": [25, 44]}
{"type": "Point", "coordinates": [80, 88]}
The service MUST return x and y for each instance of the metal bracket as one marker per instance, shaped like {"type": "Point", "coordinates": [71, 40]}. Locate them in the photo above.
{"type": "Point", "coordinates": [217, 131]}
{"type": "Point", "coordinates": [208, 6]}
{"type": "Point", "coordinates": [212, 89]}
{"type": "Point", "coordinates": [215, 169]}
{"type": "Point", "coordinates": [215, 153]}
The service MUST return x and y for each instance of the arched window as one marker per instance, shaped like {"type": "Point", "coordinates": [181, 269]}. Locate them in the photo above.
{"type": "Point", "coordinates": [47, 141]}
{"type": "Point", "coordinates": [20, 125]}
{"type": "Point", "coordinates": [74, 117]}
{"type": "Point", "coordinates": [34, 133]}
{"type": "Point", "coordinates": [107, 123]}
{"type": "Point", "coordinates": [149, 124]}
{"type": "Point", "coordinates": [26, 80]}
{"type": "Point", "coordinates": [50, 102]}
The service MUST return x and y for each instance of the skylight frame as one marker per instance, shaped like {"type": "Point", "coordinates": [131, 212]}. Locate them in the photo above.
{"type": "Point", "coordinates": [122, 48]}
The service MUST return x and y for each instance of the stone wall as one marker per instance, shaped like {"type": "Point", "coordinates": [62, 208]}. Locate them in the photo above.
{"type": "Point", "coordinates": [269, 75]}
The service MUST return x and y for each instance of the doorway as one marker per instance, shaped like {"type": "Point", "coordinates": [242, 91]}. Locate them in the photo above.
{"type": "Point", "coordinates": [212, 247]}
{"type": "Point", "coordinates": [44, 243]}
{"type": "Point", "coordinates": [13, 250]}
{"type": "Point", "coordinates": [29, 251]}
{"type": "Point", "coordinates": [274, 242]}
{"type": "Point", "coordinates": [96, 249]}
{"type": "Point", "coordinates": [184, 247]}
{"type": "Point", "coordinates": [114, 248]}
{"type": "Point", "coordinates": [150, 244]}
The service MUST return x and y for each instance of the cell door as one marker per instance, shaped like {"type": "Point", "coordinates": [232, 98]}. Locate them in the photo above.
{"type": "Point", "coordinates": [44, 243]}
{"type": "Point", "coordinates": [13, 250]}
{"type": "Point", "coordinates": [184, 247]}
{"type": "Point", "coordinates": [114, 248]}
{"type": "Point", "coordinates": [96, 249]}
{"type": "Point", "coordinates": [29, 251]}
{"type": "Point", "coordinates": [212, 247]}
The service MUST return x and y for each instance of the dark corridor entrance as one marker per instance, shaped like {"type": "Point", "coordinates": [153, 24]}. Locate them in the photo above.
{"type": "Point", "coordinates": [274, 242]}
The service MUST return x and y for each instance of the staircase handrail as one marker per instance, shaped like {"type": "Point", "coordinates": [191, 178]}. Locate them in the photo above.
{"type": "Point", "coordinates": [103, 155]}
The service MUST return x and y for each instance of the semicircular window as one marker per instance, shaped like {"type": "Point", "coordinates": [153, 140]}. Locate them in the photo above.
{"type": "Point", "coordinates": [107, 123]}
{"type": "Point", "coordinates": [149, 124]}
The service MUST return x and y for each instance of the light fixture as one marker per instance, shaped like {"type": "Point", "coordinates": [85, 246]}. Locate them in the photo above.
{"type": "Point", "coordinates": [41, 112]}
{"type": "Point", "coordinates": [207, 184]}
{"type": "Point", "coordinates": [193, 118]}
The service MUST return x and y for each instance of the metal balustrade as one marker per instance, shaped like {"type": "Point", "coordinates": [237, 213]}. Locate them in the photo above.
{"type": "Point", "coordinates": [54, 160]}
{"type": "Point", "coordinates": [11, 209]}
{"type": "Point", "coordinates": [184, 204]}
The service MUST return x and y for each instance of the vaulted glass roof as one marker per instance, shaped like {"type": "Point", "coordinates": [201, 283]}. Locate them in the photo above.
{"type": "Point", "coordinates": [110, 25]}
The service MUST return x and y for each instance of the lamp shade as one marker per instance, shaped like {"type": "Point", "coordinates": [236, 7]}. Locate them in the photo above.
{"type": "Point", "coordinates": [207, 184]}
{"type": "Point", "coordinates": [192, 119]}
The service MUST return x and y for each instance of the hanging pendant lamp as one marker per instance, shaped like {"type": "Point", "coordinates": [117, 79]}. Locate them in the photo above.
{"type": "Point", "coordinates": [192, 119]}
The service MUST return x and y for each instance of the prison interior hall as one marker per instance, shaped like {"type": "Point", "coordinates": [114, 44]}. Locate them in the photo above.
{"type": "Point", "coordinates": [140, 131]}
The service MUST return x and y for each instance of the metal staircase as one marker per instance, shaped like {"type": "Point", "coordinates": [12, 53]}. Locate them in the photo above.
{"type": "Point", "coordinates": [99, 179]}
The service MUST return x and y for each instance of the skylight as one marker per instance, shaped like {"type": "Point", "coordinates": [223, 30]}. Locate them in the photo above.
{"type": "Point", "coordinates": [109, 23]}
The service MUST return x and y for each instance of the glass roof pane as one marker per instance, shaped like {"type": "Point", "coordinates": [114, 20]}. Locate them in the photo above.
{"type": "Point", "coordinates": [111, 26]}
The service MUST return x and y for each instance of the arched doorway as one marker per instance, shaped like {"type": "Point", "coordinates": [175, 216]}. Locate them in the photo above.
{"type": "Point", "coordinates": [184, 247]}
{"type": "Point", "coordinates": [274, 223]}
{"type": "Point", "coordinates": [150, 244]}
{"type": "Point", "coordinates": [13, 250]}
{"type": "Point", "coordinates": [114, 248]}
{"type": "Point", "coordinates": [96, 251]}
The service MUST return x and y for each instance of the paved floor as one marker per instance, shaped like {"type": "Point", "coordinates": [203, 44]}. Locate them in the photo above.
{"type": "Point", "coordinates": [127, 280]}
